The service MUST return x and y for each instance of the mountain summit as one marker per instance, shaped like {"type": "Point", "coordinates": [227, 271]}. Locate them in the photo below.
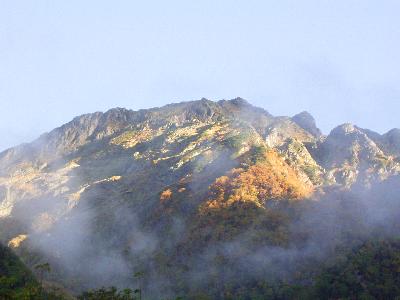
{"type": "Point", "coordinates": [306, 121]}
{"type": "Point", "coordinates": [125, 190]}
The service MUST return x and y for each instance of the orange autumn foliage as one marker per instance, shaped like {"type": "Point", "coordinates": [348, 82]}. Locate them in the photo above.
{"type": "Point", "coordinates": [270, 179]}
{"type": "Point", "coordinates": [166, 195]}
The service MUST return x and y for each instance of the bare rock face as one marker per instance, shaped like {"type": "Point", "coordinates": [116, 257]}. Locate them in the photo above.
{"type": "Point", "coordinates": [112, 179]}
{"type": "Point", "coordinates": [283, 128]}
{"type": "Point", "coordinates": [391, 141]}
{"type": "Point", "coordinates": [180, 140]}
{"type": "Point", "coordinates": [306, 121]}
{"type": "Point", "coordinates": [350, 155]}
{"type": "Point", "coordinates": [298, 156]}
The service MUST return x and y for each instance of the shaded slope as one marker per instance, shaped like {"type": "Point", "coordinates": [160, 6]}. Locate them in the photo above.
{"type": "Point", "coordinates": [156, 189]}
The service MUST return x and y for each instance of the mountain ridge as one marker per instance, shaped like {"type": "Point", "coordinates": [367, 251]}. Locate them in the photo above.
{"type": "Point", "coordinates": [159, 186]}
{"type": "Point", "coordinates": [303, 118]}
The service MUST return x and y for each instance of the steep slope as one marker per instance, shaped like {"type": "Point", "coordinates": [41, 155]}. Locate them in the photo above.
{"type": "Point", "coordinates": [391, 141]}
{"type": "Point", "coordinates": [93, 148]}
{"type": "Point", "coordinates": [351, 155]}
{"type": "Point", "coordinates": [307, 122]}
{"type": "Point", "coordinates": [123, 191]}
{"type": "Point", "coordinates": [15, 279]}
{"type": "Point", "coordinates": [153, 165]}
{"type": "Point", "coordinates": [299, 157]}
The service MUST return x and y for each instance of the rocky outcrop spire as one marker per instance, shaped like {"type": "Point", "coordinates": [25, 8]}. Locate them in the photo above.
{"type": "Point", "coordinates": [306, 121]}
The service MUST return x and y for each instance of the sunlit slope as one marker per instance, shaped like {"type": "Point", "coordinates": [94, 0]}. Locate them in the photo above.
{"type": "Point", "coordinates": [152, 186]}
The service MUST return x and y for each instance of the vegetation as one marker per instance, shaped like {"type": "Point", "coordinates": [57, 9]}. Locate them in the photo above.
{"type": "Point", "coordinates": [371, 271]}
{"type": "Point", "coordinates": [17, 282]}
{"type": "Point", "coordinates": [368, 271]}
{"type": "Point", "coordinates": [111, 293]}
{"type": "Point", "coordinates": [267, 180]}
{"type": "Point", "coordinates": [205, 208]}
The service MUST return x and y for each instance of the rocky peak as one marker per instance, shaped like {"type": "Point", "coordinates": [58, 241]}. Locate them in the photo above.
{"type": "Point", "coordinates": [239, 102]}
{"type": "Point", "coordinates": [376, 137]}
{"type": "Point", "coordinates": [393, 134]}
{"type": "Point", "coordinates": [306, 121]}
{"type": "Point", "coordinates": [349, 145]}
{"type": "Point", "coordinates": [351, 136]}
{"type": "Point", "coordinates": [391, 141]}
{"type": "Point", "coordinates": [344, 129]}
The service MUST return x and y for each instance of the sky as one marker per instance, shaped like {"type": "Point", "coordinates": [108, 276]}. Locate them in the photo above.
{"type": "Point", "coordinates": [339, 60]}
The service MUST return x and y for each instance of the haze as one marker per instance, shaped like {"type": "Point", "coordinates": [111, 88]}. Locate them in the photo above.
{"type": "Point", "coordinates": [338, 60]}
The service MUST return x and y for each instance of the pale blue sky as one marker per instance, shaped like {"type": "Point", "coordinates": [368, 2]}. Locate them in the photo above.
{"type": "Point", "coordinates": [338, 59]}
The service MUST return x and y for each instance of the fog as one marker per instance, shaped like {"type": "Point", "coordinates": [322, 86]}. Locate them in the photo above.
{"type": "Point", "coordinates": [90, 256]}
{"type": "Point", "coordinates": [117, 228]}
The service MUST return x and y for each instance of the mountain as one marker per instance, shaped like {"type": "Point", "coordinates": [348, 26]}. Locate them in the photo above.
{"type": "Point", "coordinates": [190, 194]}
{"type": "Point", "coordinates": [350, 154]}
{"type": "Point", "coordinates": [307, 122]}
